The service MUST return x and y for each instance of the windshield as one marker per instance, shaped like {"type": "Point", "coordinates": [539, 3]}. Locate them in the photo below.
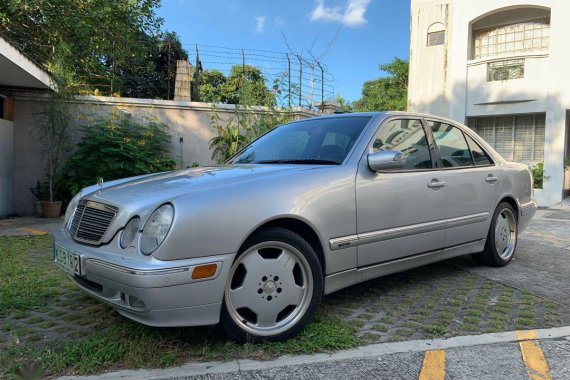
{"type": "Point", "coordinates": [325, 141]}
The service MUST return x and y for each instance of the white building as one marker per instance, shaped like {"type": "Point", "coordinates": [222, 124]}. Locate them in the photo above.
{"type": "Point", "coordinates": [17, 73]}
{"type": "Point", "coordinates": [503, 68]}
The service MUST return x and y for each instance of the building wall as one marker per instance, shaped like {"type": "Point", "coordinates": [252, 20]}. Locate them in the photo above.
{"type": "Point", "coordinates": [6, 152]}
{"type": "Point", "coordinates": [464, 90]}
{"type": "Point", "coordinates": [187, 120]}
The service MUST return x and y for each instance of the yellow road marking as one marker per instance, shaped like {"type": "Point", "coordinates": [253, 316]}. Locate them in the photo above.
{"type": "Point", "coordinates": [433, 367]}
{"type": "Point", "coordinates": [533, 357]}
{"type": "Point", "coordinates": [33, 231]}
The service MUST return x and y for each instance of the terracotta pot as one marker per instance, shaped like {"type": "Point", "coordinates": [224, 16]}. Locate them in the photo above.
{"type": "Point", "coordinates": [51, 209]}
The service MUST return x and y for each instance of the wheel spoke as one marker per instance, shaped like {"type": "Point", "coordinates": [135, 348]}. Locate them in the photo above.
{"type": "Point", "coordinates": [242, 296]}
{"type": "Point", "coordinates": [286, 262]}
{"type": "Point", "coordinates": [266, 314]}
{"type": "Point", "coordinates": [292, 295]}
{"type": "Point", "coordinates": [254, 262]}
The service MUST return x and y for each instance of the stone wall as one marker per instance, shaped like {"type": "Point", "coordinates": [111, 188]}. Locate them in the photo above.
{"type": "Point", "coordinates": [189, 121]}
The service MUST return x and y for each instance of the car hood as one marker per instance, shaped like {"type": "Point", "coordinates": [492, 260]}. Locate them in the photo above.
{"type": "Point", "coordinates": [138, 192]}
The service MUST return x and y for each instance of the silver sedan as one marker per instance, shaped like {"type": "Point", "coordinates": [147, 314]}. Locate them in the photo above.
{"type": "Point", "coordinates": [307, 209]}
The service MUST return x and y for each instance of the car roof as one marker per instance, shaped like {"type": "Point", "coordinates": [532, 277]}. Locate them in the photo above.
{"type": "Point", "coordinates": [390, 113]}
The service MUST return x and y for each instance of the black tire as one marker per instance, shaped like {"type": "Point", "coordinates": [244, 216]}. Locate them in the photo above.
{"type": "Point", "coordinates": [490, 255]}
{"type": "Point", "coordinates": [276, 234]}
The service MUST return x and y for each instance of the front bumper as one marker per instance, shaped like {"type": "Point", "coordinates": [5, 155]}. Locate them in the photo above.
{"type": "Point", "coordinates": [147, 290]}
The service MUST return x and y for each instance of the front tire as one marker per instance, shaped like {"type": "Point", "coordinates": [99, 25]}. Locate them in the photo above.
{"type": "Point", "coordinates": [274, 288]}
{"type": "Point", "coordinates": [501, 239]}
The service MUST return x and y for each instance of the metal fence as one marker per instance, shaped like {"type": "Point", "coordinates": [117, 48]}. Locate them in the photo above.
{"type": "Point", "coordinates": [304, 81]}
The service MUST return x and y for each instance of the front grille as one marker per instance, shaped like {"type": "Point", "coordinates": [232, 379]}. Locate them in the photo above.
{"type": "Point", "coordinates": [91, 221]}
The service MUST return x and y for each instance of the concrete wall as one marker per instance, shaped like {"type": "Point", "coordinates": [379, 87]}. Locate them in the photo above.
{"type": "Point", "coordinates": [463, 90]}
{"type": "Point", "coordinates": [187, 120]}
{"type": "Point", "coordinates": [6, 152]}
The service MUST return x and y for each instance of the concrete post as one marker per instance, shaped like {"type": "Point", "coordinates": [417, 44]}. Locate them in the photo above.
{"type": "Point", "coordinates": [182, 83]}
{"type": "Point", "coordinates": [328, 108]}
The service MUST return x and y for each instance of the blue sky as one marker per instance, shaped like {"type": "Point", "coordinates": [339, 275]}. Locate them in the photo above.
{"type": "Point", "coordinates": [370, 32]}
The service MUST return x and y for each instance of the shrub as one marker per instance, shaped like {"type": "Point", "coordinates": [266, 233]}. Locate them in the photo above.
{"type": "Point", "coordinates": [117, 147]}
{"type": "Point", "coordinates": [235, 134]}
{"type": "Point", "coordinates": [538, 175]}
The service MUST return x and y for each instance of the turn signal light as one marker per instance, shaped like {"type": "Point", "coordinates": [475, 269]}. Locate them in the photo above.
{"type": "Point", "coordinates": [204, 271]}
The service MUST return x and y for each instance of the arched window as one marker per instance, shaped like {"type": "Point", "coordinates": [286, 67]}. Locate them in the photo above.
{"type": "Point", "coordinates": [508, 33]}
{"type": "Point", "coordinates": [436, 34]}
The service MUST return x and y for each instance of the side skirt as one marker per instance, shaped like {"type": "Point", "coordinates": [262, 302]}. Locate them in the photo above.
{"type": "Point", "coordinates": [354, 276]}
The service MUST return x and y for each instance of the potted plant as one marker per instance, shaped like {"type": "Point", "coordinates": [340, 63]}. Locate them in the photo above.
{"type": "Point", "coordinates": [53, 134]}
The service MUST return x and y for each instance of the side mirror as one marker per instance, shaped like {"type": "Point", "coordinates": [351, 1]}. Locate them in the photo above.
{"type": "Point", "coordinates": [386, 160]}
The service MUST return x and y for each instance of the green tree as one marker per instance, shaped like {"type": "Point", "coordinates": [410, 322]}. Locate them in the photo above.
{"type": "Point", "coordinates": [386, 93]}
{"type": "Point", "coordinates": [102, 36]}
{"type": "Point", "coordinates": [151, 74]}
{"type": "Point", "coordinates": [211, 84]}
{"type": "Point", "coordinates": [245, 86]}
{"type": "Point", "coordinates": [343, 104]}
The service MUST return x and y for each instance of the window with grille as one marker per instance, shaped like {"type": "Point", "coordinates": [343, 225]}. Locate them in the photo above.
{"type": "Point", "coordinates": [505, 70]}
{"type": "Point", "coordinates": [436, 38]}
{"type": "Point", "coordinates": [528, 36]}
{"type": "Point", "coordinates": [517, 138]}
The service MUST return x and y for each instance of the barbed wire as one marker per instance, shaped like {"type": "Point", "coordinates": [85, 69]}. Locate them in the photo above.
{"type": "Point", "coordinates": [305, 81]}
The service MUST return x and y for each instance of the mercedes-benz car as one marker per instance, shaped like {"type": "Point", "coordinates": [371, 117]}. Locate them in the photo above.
{"type": "Point", "coordinates": [307, 209]}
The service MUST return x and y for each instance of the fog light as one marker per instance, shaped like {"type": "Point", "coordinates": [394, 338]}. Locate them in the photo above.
{"type": "Point", "coordinates": [204, 271]}
{"type": "Point", "coordinates": [136, 302]}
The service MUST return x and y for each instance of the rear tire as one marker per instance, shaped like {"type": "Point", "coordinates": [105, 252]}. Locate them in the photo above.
{"type": "Point", "coordinates": [502, 238]}
{"type": "Point", "coordinates": [274, 288]}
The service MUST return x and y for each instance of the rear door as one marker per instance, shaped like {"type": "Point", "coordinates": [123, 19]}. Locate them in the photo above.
{"type": "Point", "coordinates": [400, 213]}
{"type": "Point", "coordinates": [472, 183]}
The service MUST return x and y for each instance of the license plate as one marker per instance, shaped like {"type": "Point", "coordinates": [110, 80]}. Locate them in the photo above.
{"type": "Point", "coordinates": [66, 260]}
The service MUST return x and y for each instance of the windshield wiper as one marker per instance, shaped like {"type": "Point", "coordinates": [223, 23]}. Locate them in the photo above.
{"type": "Point", "coordinates": [308, 161]}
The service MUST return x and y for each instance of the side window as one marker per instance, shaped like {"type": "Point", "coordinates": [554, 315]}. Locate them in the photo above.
{"type": "Point", "coordinates": [408, 137]}
{"type": "Point", "coordinates": [479, 156]}
{"type": "Point", "coordinates": [452, 146]}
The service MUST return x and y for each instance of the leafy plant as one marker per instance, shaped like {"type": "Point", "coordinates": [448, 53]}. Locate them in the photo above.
{"type": "Point", "coordinates": [388, 92]}
{"type": "Point", "coordinates": [236, 133]}
{"type": "Point", "coordinates": [117, 147]}
{"type": "Point", "coordinates": [538, 175]}
{"type": "Point", "coordinates": [40, 191]}
{"type": "Point", "coordinates": [54, 122]}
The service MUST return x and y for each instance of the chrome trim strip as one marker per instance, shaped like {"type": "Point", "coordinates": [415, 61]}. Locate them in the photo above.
{"type": "Point", "coordinates": [467, 219]}
{"type": "Point", "coordinates": [343, 242]}
{"type": "Point", "coordinates": [137, 272]}
{"type": "Point", "coordinates": [398, 232]}
{"type": "Point", "coordinates": [394, 233]}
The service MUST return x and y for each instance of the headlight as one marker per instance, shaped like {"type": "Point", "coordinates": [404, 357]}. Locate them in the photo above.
{"type": "Point", "coordinates": [156, 228]}
{"type": "Point", "coordinates": [129, 232]}
{"type": "Point", "coordinates": [71, 207]}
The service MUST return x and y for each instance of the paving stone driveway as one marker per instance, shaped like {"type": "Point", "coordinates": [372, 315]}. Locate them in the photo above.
{"type": "Point", "coordinates": [446, 299]}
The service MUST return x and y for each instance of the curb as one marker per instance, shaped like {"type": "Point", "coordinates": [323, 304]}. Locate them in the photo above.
{"type": "Point", "coordinates": [374, 350]}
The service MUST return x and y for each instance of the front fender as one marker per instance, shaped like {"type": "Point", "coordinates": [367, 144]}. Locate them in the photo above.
{"type": "Point", "coordinates": [218, 220]}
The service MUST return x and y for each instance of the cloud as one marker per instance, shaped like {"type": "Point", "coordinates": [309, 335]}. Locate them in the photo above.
{"type": "Point", "coordinates": [352, 14]}
{"type": "Point", "coordinates": [279, 22]}
{"type": "Point", "coordinates": [259, 24]}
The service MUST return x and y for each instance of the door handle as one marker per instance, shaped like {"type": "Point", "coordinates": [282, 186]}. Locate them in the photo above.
{"type": "Point", "coordinates": [435, 184]}
{"type": "Point", "coordinates": [491, 179]}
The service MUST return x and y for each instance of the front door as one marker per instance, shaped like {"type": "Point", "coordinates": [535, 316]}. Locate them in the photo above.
{"type": "Point", "coordinates": [400, 213]}
{"type": "Point", "coordinates": [472, 184]}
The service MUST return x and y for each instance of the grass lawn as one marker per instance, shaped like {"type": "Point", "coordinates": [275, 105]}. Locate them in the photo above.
{"type": "Point", "coordinates": [46, 322]}
{"type": "Point", "coordinates": [42, 325]}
